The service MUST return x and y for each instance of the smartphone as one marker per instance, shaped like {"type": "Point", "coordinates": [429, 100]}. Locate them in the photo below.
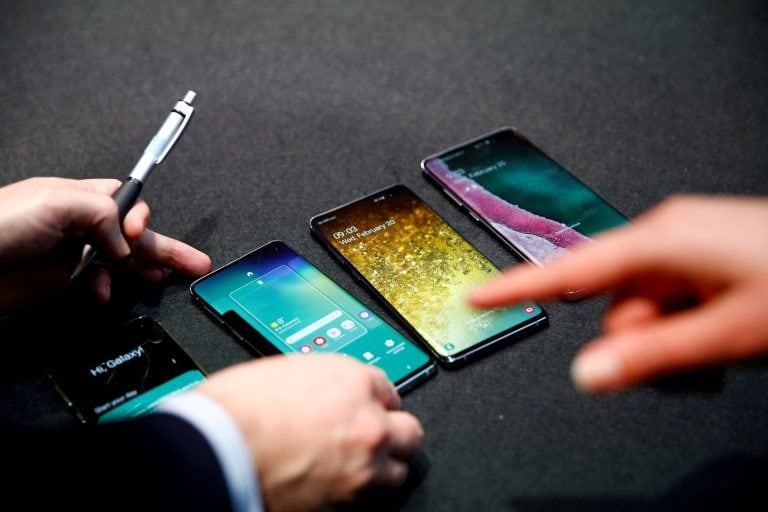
{"type": "Point", "coordinates": [527, 199]}
{"type": "Point", "coordinates": [277, 302]}
{"type": "Point", "coordinates": [120, 372]}
{"type": "Point", "coordinates": [422, 269]}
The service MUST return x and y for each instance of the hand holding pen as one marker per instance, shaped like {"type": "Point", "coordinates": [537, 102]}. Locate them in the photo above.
{"type": "Point", "coordinates": [156, 151]}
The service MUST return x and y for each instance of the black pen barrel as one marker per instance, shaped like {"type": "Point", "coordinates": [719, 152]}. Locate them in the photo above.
{"type": "Point", "coordinates": [126, 195]}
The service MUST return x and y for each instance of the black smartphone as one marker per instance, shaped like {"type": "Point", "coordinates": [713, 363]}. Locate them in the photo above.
{"type": "Point", "coordinates": [278, 303]}
{"type": "Point", "coordinates": [512, 187]}
{"type": "Point", "coordinates": [123, 371]}
{"type": "Point", "coordinates": [422, 269]}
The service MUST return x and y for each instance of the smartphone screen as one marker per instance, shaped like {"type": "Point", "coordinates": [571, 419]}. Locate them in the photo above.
{"type": "Point", "coordinates": [423, 269]}
{"type": "Point", "coordinates": [278, 302]}
{"type": "Point", "coordinates": [526, 198]}
{"type": "Point", "coordinates": [122, 372]}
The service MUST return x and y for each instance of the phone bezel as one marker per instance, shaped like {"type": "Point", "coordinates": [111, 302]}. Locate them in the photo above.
{"type": "Point", "coordinates": [261, 346]}
{"type": "Point", "coordinates": [129, 330]}
{"type": "Point", "coordinates": [453, 361]}
{"type": "Point", "coordinates": [520, 252]}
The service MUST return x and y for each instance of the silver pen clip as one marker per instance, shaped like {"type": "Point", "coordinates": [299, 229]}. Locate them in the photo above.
{"type": "Point", "coordinates": [185, 109]}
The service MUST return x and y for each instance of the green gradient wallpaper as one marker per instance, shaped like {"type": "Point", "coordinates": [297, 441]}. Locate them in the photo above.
{"type": "Point", "coordinates": [298, 309]}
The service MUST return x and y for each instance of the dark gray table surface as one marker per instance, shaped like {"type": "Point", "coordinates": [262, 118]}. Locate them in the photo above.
{"type": "Point", "coordinates": [305, 105]}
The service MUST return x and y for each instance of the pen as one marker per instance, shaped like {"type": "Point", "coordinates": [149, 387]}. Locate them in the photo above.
{"type": "Point", "coordinates": [155, 152]}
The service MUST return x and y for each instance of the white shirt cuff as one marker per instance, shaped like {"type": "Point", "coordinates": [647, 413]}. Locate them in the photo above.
{"type": "Point", "coordinates": [228, 443]}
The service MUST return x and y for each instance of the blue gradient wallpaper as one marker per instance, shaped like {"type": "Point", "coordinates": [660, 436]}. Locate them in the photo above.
{"type": "Point", "coordinates": [298, 309]}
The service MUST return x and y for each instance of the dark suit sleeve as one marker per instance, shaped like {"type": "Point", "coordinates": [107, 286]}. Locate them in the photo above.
{"type": "Point", "coordinates": [157, 462]}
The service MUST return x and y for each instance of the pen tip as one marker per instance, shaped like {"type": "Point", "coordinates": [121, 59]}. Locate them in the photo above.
{"type": "Point", "coordinates": [189, 97]}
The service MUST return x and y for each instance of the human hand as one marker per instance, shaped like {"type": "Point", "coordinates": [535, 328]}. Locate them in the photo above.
{"type": "Point", "coordinates": [44, 223]}
{"type": "Point", "coordinates": [320, 428]}
{"type": "Point", "coordinates": [690, 284]}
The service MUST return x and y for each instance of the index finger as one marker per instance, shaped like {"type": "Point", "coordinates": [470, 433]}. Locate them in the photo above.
{"type": "Point", "coordinates": [137, 217]}
{"type": "Point", "coordinates": [106, 186]}
{"type": "Point", "coordinates": [595, 266]}
{"type": "Point", "coordinates": [159, 250]}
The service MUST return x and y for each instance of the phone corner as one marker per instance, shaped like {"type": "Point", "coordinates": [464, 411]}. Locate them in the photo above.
{"type": "Point", "coordinates": [543, 321]}
{"type": "Point", "coordinates": [422, 377]}
{"type": "Point", "coordinates": [453, 363]}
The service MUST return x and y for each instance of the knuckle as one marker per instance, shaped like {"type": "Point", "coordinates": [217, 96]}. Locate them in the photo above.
{"type": "Point", "coordinates": [369, 433]}
{"type": "Point", "coordinates": [398, 473]}
{"type": "Point", "coordinates": [44, 195]}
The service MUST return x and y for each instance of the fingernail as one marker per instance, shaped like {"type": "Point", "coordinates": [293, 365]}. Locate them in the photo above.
{"type": "Point", "coordinates": [596, 370]}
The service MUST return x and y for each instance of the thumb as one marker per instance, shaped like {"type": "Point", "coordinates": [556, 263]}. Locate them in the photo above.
{"type": "Point", "coordinates": [711, 333]}
{"type": "Point", "coordinates": [93, 214]}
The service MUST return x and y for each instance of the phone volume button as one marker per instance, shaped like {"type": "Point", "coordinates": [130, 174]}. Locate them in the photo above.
{"type": "Point", "coordinates": [453, 197]}
{"type": "Point", "coordinates": [473, 215]}
{"type": "Point", "coordinates": [356, 275]}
